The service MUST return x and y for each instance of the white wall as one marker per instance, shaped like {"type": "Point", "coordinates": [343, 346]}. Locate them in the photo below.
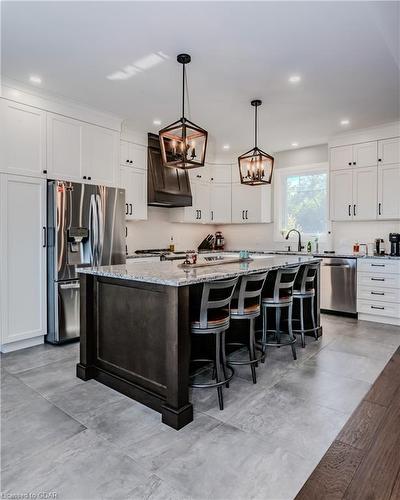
{"type": "Point", "coordinates": [156, 232]}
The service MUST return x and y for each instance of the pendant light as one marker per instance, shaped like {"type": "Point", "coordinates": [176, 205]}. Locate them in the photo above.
{"type": "Point", "coordinates": [255, 166]}
{"type": "Point", "coordinates": [183, 144]}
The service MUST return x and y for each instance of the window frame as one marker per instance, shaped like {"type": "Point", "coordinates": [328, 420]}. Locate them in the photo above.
{"type": "Point", "coordinates": [279, 207]}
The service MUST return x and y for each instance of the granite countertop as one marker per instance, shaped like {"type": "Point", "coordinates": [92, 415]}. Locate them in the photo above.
{"type": "Point", "coordinates": [169, 273]}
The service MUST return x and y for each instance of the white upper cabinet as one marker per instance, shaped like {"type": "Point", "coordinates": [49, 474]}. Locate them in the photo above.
{"type": "Point", "coordinates": [365, 154]}
{"type": "Point", "coordinates": [99, 154]}
{"type": "Point", "coordinates": [361, 155]}
{"type": "Point", "coordinates": [220, 173]}
{"type": "Point", "coordinates": [64, 148]}
{"type": "Point", "coordinates": [388, 192]}
{"type": "Point", "coordinates": [133, 155]}
{"type": "Point", "coordinates": [81, 152]}
{"type": "Point", "coordinates": [220, 203]}
{"type": "Point", "coordinates": [23, 258]}
{"type": "Point", "coordinates": [389, 151]}
{"type": "Point", "coordinates": [22, 139]}
{"type": "Point", "coordinates": [134, 181]}
{"type": "Point", "coordinates": [341, 157]}
{"type": "Point", "coordinates": [251, 204]}
{"type": "Point", "coordinates": [341, 195]}
{"type": "Point", "coordinates": [364, 193]}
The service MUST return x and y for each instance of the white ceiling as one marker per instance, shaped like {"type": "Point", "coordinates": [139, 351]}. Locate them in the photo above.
{"type": "Point", "coordinates": [346, 52]}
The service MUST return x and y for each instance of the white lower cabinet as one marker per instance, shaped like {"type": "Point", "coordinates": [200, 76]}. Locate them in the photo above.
{"type": "Point", "coordinates": [22, 261]}
{"type": "Point", "coordinates": [378, 290]}
{"type": "Point", "coordinates": [134, 181]}
{"type": "Point", "coordinates": [251, 204]}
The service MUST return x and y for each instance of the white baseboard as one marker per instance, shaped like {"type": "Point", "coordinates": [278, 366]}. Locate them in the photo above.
{"type": "Point", "coordinates": [379, 319]}
{"type": "Point", "coordinates": [21, 344]}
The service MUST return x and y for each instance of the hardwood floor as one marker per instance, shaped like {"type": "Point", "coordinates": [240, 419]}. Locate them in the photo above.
{"type": "Point", "coordinates": [364, 460]}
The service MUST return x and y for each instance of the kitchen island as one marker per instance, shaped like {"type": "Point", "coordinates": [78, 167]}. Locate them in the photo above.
{"type": "Point", "coordinates": [135, 327]}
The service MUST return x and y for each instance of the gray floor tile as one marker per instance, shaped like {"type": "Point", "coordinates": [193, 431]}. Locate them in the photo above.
{"type": "Point", "coordinates": [31, 424]}
{"type": "Point", "coordinates": [82, 467]}
{"type": "Point", "coordinates": [52, 378]}
{"type": "Point", "coordinates": [327, 389]}
{"type": "Point", "coordinates": [229, 463]}
{"type": "Point", "coordinates": [80, 400]}
{"type": "Point", "coordinates": [41, 355]}
{"type": "Point", "coordinates": [291, 422]}
{"type": "Point", "coordinates": [348, 365]}
{"type": "Point", "coordinates": [364, 347]}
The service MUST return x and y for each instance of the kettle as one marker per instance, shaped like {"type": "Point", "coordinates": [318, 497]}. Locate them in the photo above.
{"type": "Point", "coordinates": [219, 241]}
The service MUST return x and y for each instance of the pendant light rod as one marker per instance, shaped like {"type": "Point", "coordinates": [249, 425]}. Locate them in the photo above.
{"type": "Point", "coordinates": [255, 103]}
{"type": "Point", "coordinates": [183, 59]}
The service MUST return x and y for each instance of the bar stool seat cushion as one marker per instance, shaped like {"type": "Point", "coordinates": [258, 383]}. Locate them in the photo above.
{"type": "Point", "coordinates": [307, 293]}
{"type": "Point", "coordinates": [282, 300]}
{"type": "Point", "coordinates": [250, 310]}
{"type": "Point", "coordinates": [216, 319]}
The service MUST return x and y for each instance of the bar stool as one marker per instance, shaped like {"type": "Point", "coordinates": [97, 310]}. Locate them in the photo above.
{"type": "Point", "coordinates": [246, 305]}
{"type": "Point", "coordinates": [278, 294]}
{"type": "Point", "coordinates": [213, 318]}
{"type": "Point", "coordinates": [304, 289]}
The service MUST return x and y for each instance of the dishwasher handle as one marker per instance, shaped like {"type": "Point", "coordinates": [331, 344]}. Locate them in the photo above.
{"type": "Point", "coordinates": [336, 265]}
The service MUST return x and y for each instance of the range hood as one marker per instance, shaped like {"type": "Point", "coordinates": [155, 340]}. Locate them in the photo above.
{"type": "Point", "coordinates": [167, 187]}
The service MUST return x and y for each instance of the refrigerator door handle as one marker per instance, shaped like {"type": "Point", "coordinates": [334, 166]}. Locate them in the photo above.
{"type": "Point", "coordinates": [100, 223]}
{"type": "Point", "coordinates": [70, 286]}
{"type": "Point", "coordinates": [93, 231]}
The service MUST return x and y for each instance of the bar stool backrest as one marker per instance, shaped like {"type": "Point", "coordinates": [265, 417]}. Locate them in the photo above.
{"type": "Point", "coordinates": [249, 287]}
{"type": "Point", "coordinates": [306, 277]}
{"type": "Point", "coordinates": [215, 295]}
{"type": "Point", "coordinates": [284, 281]}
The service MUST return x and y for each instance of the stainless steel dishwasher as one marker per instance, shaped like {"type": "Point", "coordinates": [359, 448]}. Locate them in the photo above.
{"type": "Point", "coordinates": [339, 284]}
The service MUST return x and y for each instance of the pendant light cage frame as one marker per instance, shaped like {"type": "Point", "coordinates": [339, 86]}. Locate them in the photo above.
{"type": "Point", "coordinates": [255, 166]}
{"type": "Point", "coordinates": [183, 143]}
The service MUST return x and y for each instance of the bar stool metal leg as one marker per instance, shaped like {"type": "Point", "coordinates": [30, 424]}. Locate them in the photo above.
{"type": "Point", "coordinates": [278, 324]}
{"type": "Point", "coordinates": [264, 334]}
{"type": "Point", "coordinates": [313, 318]}
{"type": "Point", "coordinates": [252, 353]}
{"type": "Point", "coordinates": [218, 369]}
{"type": "Point", "coordinates": [291, 335]}
{"type": "Point", "coordinates": [223, 357]}
{"type": "Point", "coordinates": [303, 340]}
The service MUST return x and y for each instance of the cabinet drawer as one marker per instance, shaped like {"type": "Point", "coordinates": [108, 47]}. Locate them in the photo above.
{"type": "Point", "coordinates": [378, 308]}
{"type": "Point", "coordinates": [379, 280]}
{"type": "Point", "coordinates": [380, 266]}
{"type": "Point", "coordinates": [376, 293]}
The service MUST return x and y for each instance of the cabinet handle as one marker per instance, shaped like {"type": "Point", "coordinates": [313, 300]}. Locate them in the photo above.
{"type": "Point", "coordinates": [200, 214]}
{"type": "Point", "coordinates": [44, 245]}
{"type": "Point", "coordinates": [377, 293]}
{"type": "Point", "coordinates": [247, 215]}
{"type": "Point", "coordinates": [89, 178]}
{"type": "Point", "coordinates": [377, 307]}
{"type": "Point", "coordinates": [350, 163]}
{"type": "Point", "coordinates": [377, 279]}
{"type": "Point", "coordinates": [45, 171]}
{"type": "Point", "coordinates": [127, 161]}
{"type": "Point", "coordinates": [379, 208]}
{"type": "Point", "coordinates": [354, 210]}
{"type": "Point", "coordinates": [126, 231]}
{"type": "Point", "coordinates": [379, 159]}
{"type": "Point", "coordinates": [197, 214]}
{"type": "Point", "coordinates": [126, 208]}
{"type": "Point", "coordinates": [84, 177]}
{"type": "Point", "coordinates": [130, 205]}
{"type": "Point", "coordinates": [212, 214]}
{"type": "Point", "coordinates": [349, 210]}
{"type": "Point", "coordinates": [378, 265]}
{"type": "Point", "coordinates": [131, 161]}
{"type": "Point", "coordinates": [242, 214]}
{"type": "Point", "coordinates": [354, 162]}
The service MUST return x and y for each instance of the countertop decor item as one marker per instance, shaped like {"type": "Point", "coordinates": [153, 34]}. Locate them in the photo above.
{"type": "Point", "coordinates": [183, 144]}
{"type": "Point", "coordinates": [255, 166]}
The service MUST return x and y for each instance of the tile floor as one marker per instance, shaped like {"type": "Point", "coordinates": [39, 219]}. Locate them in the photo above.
{"type": "Point", "coordinates": [84, 441]}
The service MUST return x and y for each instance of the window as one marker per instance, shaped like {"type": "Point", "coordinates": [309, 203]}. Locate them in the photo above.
{"type": "Point", "coordinates": [301, 200]}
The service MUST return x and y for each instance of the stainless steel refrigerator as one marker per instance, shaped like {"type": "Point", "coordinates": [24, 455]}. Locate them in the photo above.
{"type": "Point", "coordinates": [85, 227]}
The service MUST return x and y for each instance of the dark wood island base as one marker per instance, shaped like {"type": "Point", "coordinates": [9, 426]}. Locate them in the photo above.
{"type": "Point", "coordinates": [135, 339]}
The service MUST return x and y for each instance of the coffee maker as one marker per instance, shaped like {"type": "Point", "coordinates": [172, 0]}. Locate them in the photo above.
{"type": "Point", "coordinates": [394, 239]}
{"type": "Point", "coordinates": [219, 241]}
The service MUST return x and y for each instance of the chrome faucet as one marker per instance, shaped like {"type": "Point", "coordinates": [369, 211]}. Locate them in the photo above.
{"type": "Point", "coordinates": [299, 245]}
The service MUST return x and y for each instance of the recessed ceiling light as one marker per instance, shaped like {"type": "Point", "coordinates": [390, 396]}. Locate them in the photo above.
{"type": "Point", "coordinates": [226, 146]}
{"type": "Point", "coordinates": [345, 122]}
{"type": "Point", "coordinates": [295, 144]}
{"type": "Point", "coordinates": [35, 79]}
{"type": "Point", "coordinates": [156, 122]}
{"type": "Point", "coordinates": [294, 79]}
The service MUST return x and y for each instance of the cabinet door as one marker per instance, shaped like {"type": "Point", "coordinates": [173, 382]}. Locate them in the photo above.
{"type": "Point", "coordinates": [220, 173]}
{"type": "Point", "coordinates": [23, 253]}
{"type": "Point", "coordinates": [365, 154]}
{"type": "Point", "coordinates": [388, 192]}
{"type": "Point", "coordinates": [99, 154]}
{"type": "Point", "coordinates": [201, 201]}
{"type": "Point", "coordinates": [22, 139]}
{"type": "Point", "coordinates": [389, 151]}
{"type": "Point", "coordinates": [124, 153]}
{"type": "Point", "coordinates": [134, 181]}
{"type": "Point", "coordinates": [365, 193]}
{"type": "Point", "coordinates": [220, 203]}
{"type": "Point", "coordinates": [64, 148]}
{"type": "Point", "coordinates": [341, 195]}
{"type": "Point", "coordinates": [341, 157]}
{"type": "Point", "coordinates": [239, 197]}
{"type": "Point", "coordinates": [137, 156]}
